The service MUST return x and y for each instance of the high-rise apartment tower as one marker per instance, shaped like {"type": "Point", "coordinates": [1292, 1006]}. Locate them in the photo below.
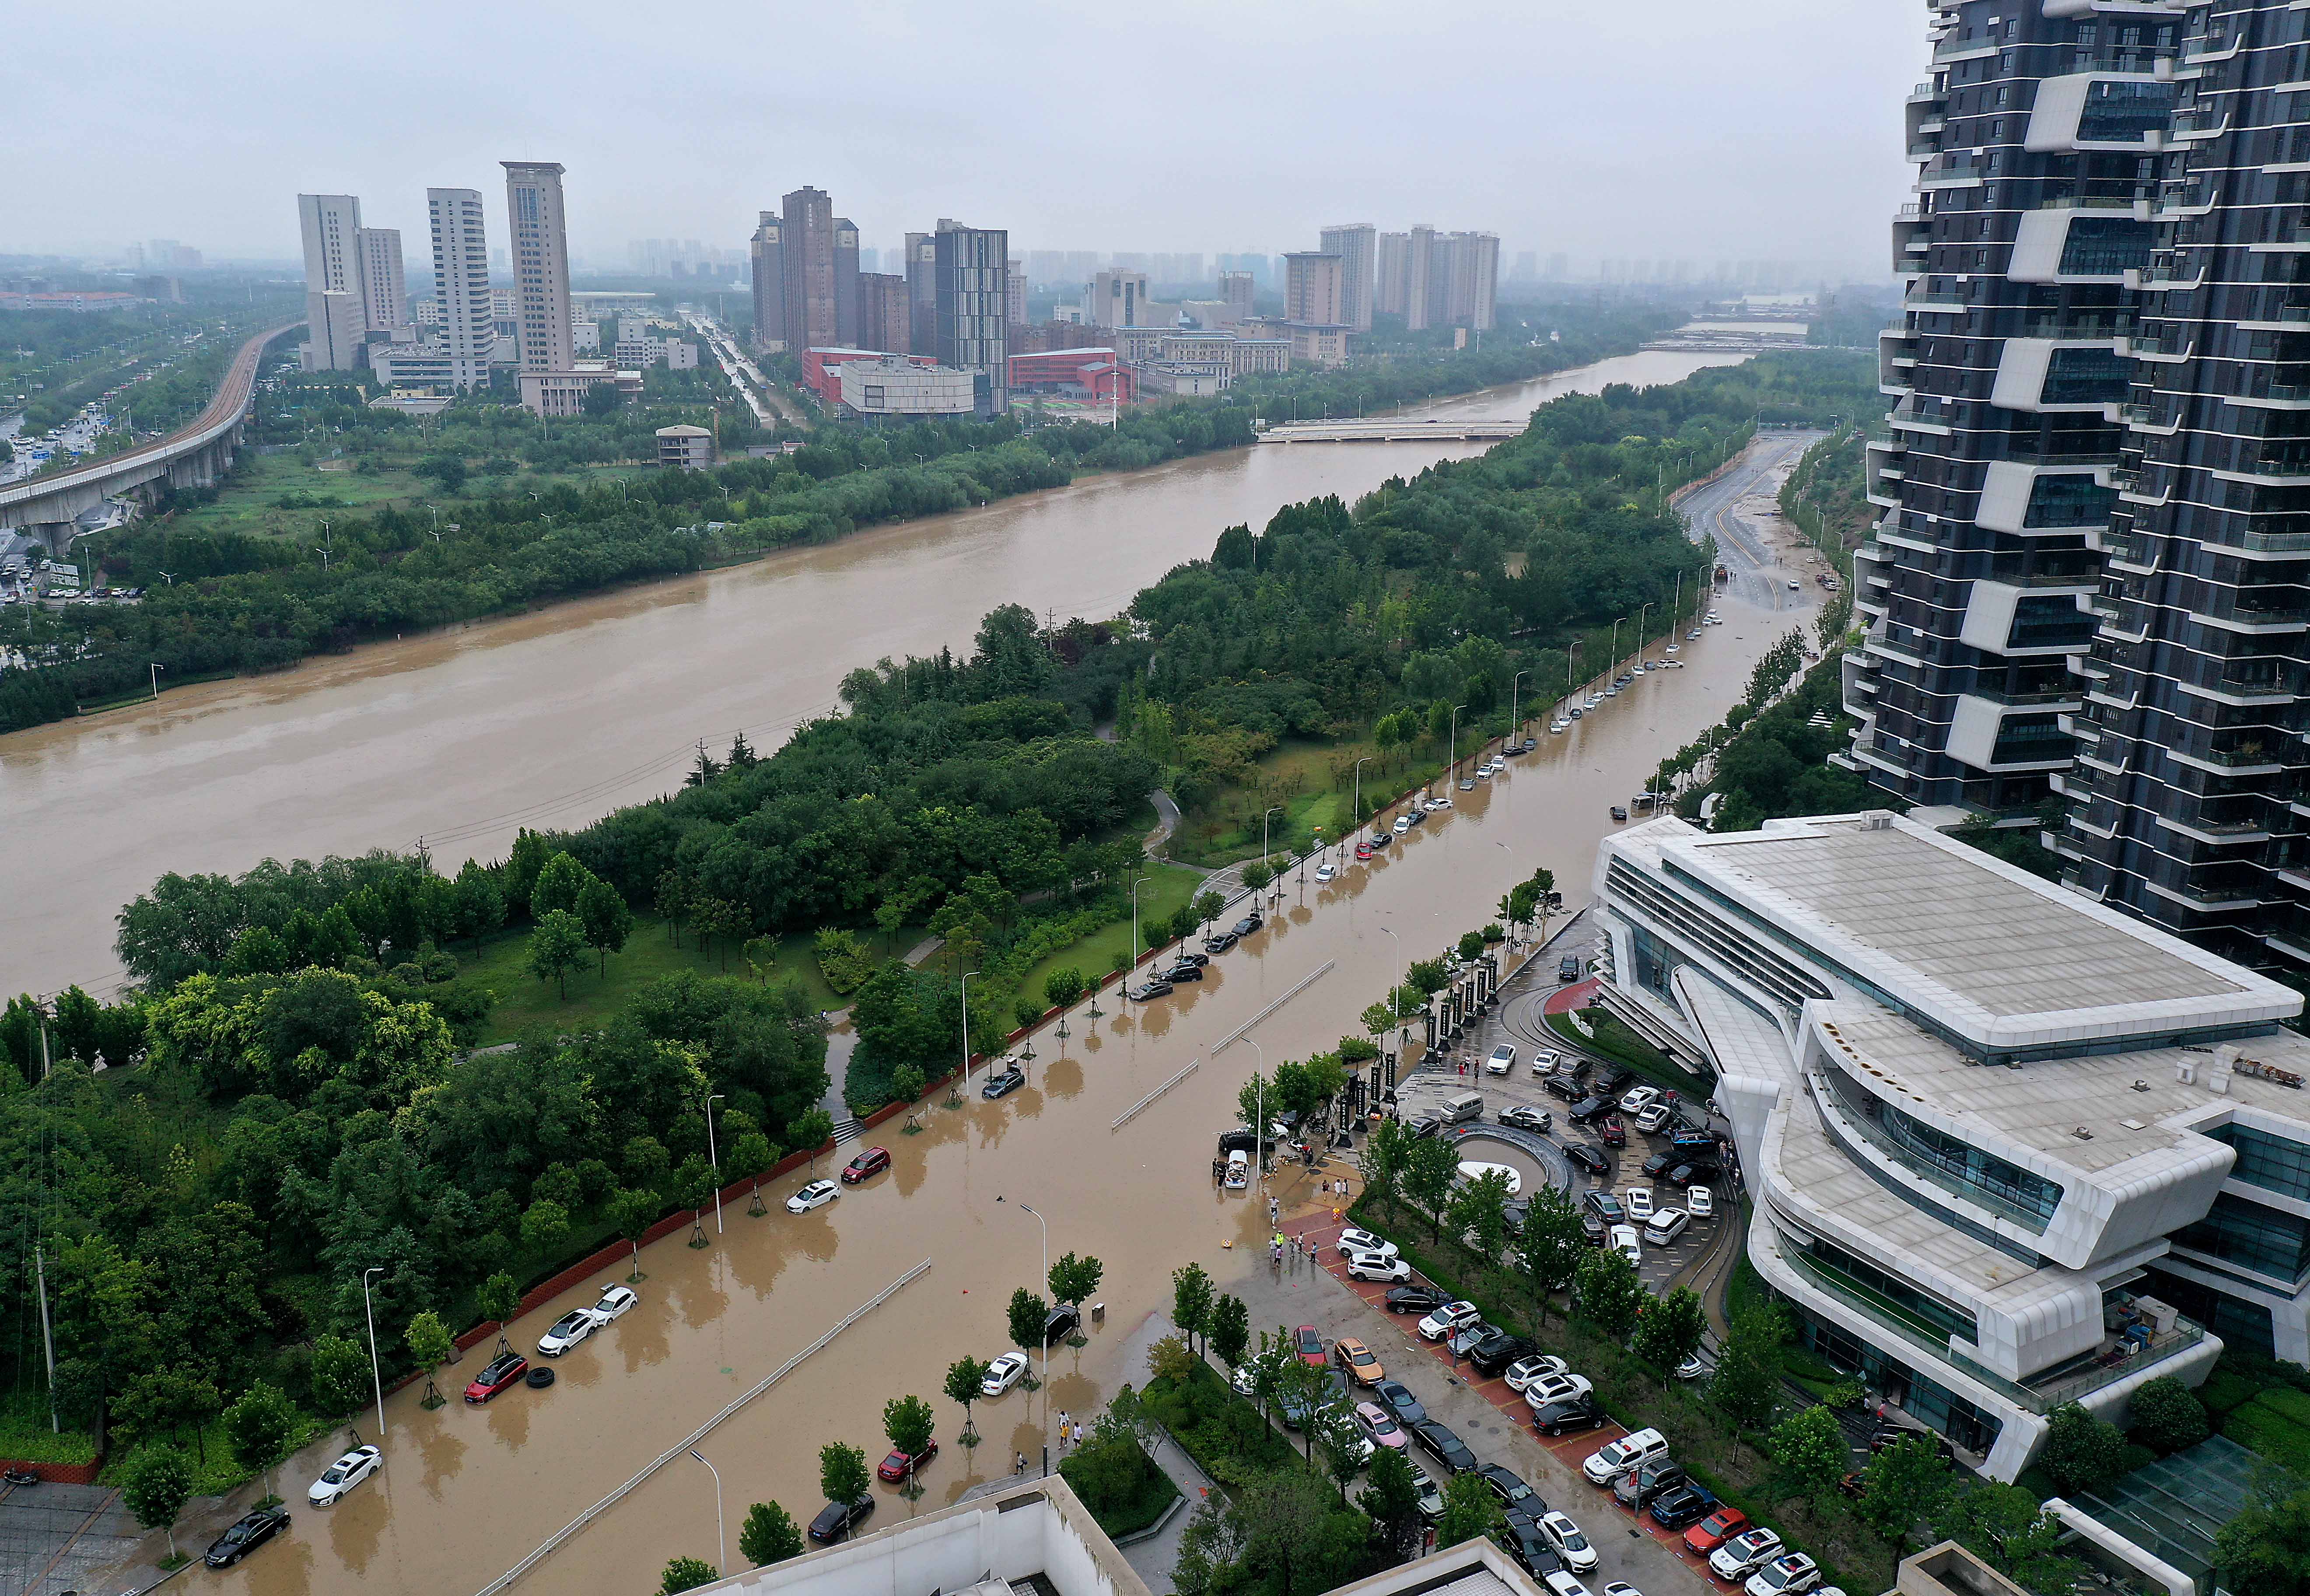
{"type": "Point", "coordinates": [541, 264]}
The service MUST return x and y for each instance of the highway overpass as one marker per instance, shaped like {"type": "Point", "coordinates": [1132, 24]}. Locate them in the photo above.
{"type": "Point", "coordinates": [195, 455]}
{"type": "Point", "coordinates": [1377, 429]}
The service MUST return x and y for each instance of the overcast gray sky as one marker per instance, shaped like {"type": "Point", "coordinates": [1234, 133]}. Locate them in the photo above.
{"type": "Point", "coordinates": [1663, 129]}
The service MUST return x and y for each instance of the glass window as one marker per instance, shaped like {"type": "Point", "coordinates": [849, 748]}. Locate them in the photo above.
{"type": "Point", "coordinates": [2266, 1160]}
{"type": "Point", "coordinates": [2105, 246]}
{"type": "Point", "coordinates": [2250, 1236]}
{"type": "Point", "coordinates": [2073, 499]}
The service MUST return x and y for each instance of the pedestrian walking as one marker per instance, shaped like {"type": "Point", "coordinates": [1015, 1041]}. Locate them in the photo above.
{"type": "Point", "coordinates": [1022, 1463]}
{"type": "Point", "coordinates": [1078, 1432]}
{"type": "Point", "coordinates": [1062, 1423]}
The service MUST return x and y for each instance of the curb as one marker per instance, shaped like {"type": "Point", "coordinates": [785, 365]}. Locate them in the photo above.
{"type": "Point", "coordinates": [1178, 1504]}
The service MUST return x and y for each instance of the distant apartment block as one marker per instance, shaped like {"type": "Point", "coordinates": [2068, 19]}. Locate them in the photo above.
{"type": "Point", "coordinates": [336, 322]}
{"type": "Point", "coordinates": [1235, 287]}
{"type": "Point", "coordinates": [1315, 289]}
{"type": "Point", "coordinates": [768, 258]}
{"type": "Point", "coordinates": [806, 233]}
{"type": "Point", "coordinates": [846, 281]}
{"type": "Point", "coordinates": [885, 313]}
{"type": "Point", "coordinates": [685, 448]}
{"type": "Point", "coordinates": [1357, 245]}
{"type": "Point", "coordinates": [540, 261]}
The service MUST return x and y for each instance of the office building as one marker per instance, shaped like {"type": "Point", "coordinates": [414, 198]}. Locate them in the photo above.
{"type": "Point", "coordinates": [160, 289]}
{"type": "Point", "coordinates": [685, 448]}
{"type": "Point", "coordinates": [1086, 376]}
{"type": "Point", "coordinates": [541, 264]}
{"type": "Point", "coordinates": [922, 293]}
{"type": "Point", "coordinates": [1015, 298]}
{"type": "Point", "coordinates": [2006, 1149]}
{"type": "Point", "coordinates": [846, 281]}
{"type": "Point", "coordinates": [383, 286]}
{"type": "Point", "coordinates": [1119, 299]}
{"type": "Point", "coordinates": [1560, 267]}
{"type": "Point", "coordinates": [1357, 245]}
{"type": "Point", "coordinates": [1315, 289]}
{"type": "Point", "coordinates": [335, 321]}
{"type": "Point", "coordinates": [806, 233]}
{"type": "Point", "coordinates": [461, 283]}
{"type": "Point", "coordinates": [973, 276]}
{"type": "Point", "coordinates": [767, 255]}
{"type": "Point", "coordinates": [885, 318]}
{"type": "Point", "coordinates": [1235, 289]}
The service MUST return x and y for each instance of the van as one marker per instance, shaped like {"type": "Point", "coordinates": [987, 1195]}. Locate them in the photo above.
{"type": "Point", "coordinates": [1608, 1461]}
{"type": "Point", "coordinates": [1666, 1226]}
{"type": "Point", "coordinates": [1464, 1106]}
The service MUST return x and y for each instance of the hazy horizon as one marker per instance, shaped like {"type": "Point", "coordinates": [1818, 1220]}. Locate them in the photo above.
{"type": "Point", "coordinates": [1679, 130]}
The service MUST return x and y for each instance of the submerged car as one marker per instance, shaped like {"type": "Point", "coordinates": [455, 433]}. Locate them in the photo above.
{"type": "Point", "coordinates": [1001, 1083]}
{"type": "Point", "coordinates": [1002, 1374]}
{"type": "Point", "coordinates": [817, 1194]}
{"type": "Point", "coordinates": [898, 1467]}
{"type": "Point", "coordinates": [500, 1372]}
{"type": "Point", "coordinates": [567, 1330]}
{"type": "Point", "coordinates": [244, 1535]}
{"type": "Point", "coordinates": [342, 1475]}
{"type": "Point", "coordinates": [872, 1161]}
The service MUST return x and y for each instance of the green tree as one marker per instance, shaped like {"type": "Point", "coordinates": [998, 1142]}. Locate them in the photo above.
{"type": "Point", "coordinates": [1386, 1156]}
{"type": "Point", "coordinates": [431, 1346]}
{"type": "Point", "coordinates": [1391, 1497]}
{"type": "Point", "coordinates": [693, 1189]}
{"type": "Point", "coordinates": [2082, 1453]}
{"type": "Point", "coordinates": [908, 1422]}
{"type": "Point", "coordinates": [558, 886]}
{"type": "Point", "coordinates": [1230, 1330]}
{"type": "Point", "coordinates": [2265, 1549]}
{"type": "Point", "coordinates": [1671, 1328]}
{"type": "Point", "coordinates": [499, 1299]}
{"type": "Point", "coordinates": [633, 1212]}
{"type": "Point", "coordinates": [340, 1379]}
{"type": "Point", "coordinates": [1431, 1168]}
{"type": "Point", "coordinates": [1257, 874]}
{"type": "Point", "coordinates": [769, 1535]}
{"type": "Point", "coordinates": [2168, 1415]}
{"type": "Point", "coordinates": [2005, 1526]}
{"type": "Point", "coordinates": [1029, 1314]}
{"type": "Point", "coordinates": [260, 1427]}
{"type": "Point", "coordinates": [681, 1573]}
{"type": "Point", "coordinates": [544, 1228]}
{"type": "Point", "coordinates": [1549, 1245]}
{"type": "Point", "coordinates": [1471, 1510]}
{"type": "Point", "coordinates": [1064, 987]}
{"type": "Point", "coordinates": [812, 1129]}
{"type": "Point", "coordinates": [1610, 1295]}
{"type": "Point", "coordinates": [1191, 1302]}
{"type": "Point", "coordinates": [1479, 1210]}
{"type": "Point", "coordinates": [1210, 1548]}
{"type": "Point", "coordinates": [159, 1482]}
{"type": "Point", "coordinates": [1208, 907]}
{"type": "Point", "coordinates": [1341, 1439]}
{"type": "Point", "coordinates": [1902, 1486]}
{"type": "Point", "coordinates": [1746, 1383]}
{"type": "Point", "coordinates": [557, 947]}
{"type": "Point", "coordinates": [1072, 1280]}
{"type": "Point", "coordinates": [842, 1473]}
{"type": "Point", "coordinates": [602, 911]}
{"type": "Point", "coordinates": [963, 1377]}
{"type": "Point", "coordinates": [1810, 1448]}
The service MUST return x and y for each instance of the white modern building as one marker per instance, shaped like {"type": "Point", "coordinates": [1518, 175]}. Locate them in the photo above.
{"type": "Point", "coordinates": [540, 264]}
{"type": "Point", "coordinates": [899, 388]}
{"type": "Point", "coordinates": [2005, 1148]}
{"type": "Point", "coordinates": [461, 286]}
{"type": "Point", "coordinates": [329, 226]}
{"type": "Point", "coordinates": [383, 286]}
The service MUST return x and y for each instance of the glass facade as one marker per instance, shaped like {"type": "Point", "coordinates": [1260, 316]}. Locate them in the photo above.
{"type": "Point", "coordinates": [2086, 376]}
{"type": "Point", "coordinates": [2271, 1162]}
{"type": "Point", "coordinates": [1925, 1399]}
{"type": "Point", "coordinates": [2105, 246]}
{"type": "Point", "coordinates": [2003, 1186]}
{"type": "Point", "coordinates": [2243, 1326]}
{"type": "Point", "coordinates": [2068, 500]}
{"type": "Point", "coordinates": [2252, 1237]}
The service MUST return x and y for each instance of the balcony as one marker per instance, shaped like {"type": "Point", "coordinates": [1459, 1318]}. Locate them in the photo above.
{"type": "Point", "coordinates": [2193, 125]}
{"type": "Point", "coordinates": [1954, 174]}
{"type": "Point", "coordinates": [2119, 1358]}
{"type": "Point", "coordinates": [2271, 542]}
{"type": "Point", "coordinates": [2154, 349]}
{"type": "Point", "coordinates": [2160, 279]}
{"type": "Point", "coordinates": [1937, 304]}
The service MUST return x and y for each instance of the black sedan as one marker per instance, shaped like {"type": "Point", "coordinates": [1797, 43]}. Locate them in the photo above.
{"type": "Point", "coordinates": [1147, 991]}
{"type": "Point", "coordinates": [1527, 1119]}
{"type": "Point", "coordinates": [1248, 924]}
{"type": "Point", "coordinates": [1002, 1083]}
{"type": "Point", "coordinates": [1574, 1413]}
{"type": "Point", "coordinates": [1221, 941]}
{"type": "Point", "coordinates": [1398, 1400]}
{"type": "Point", "coordinates": [1444, 1445]}
{"type": "Point", "coordinates": [837, 1520]}
{"type": "Point", "coordinates": [1197, 959]}
{"type": "Point", "coordinates": [244, 1535]}
{"type": "Point", "coordinates": [1515, 1495]}
{"type": "Point", "coordinates": [1582, 1156]}
{"type": "Point", "coordinates": [1415, 1299]}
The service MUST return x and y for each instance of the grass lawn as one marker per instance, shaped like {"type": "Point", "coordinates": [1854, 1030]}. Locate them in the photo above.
{"type": "Point", "coordinates": [1615, 1041]}
{"type": "Point", "coordinates": [249, 505]}
{"type": "Point", "coordinates": [1167, 892]}
{"type": "Point", "coordinates": [524, 1000]}
{"type": "Point", "coordinates": [25, 1433]}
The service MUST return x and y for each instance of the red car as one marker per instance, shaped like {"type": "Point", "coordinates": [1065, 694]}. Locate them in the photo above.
{"type": "Point", "coordinates": [872, 1161]}
{"type": "Point", "coordinates": [1613, 1134]}
{"type": "Point", "coordinates": [1363, 850]}
{"type": "Point", "coordinates": [893, 1470]}
{"type": "Point", "coordinates": [500, 1372]}
{"type": "Point", "coordinates": [1715, 1530]}
{"type": "Point", "coordinates": [1310, 1347]}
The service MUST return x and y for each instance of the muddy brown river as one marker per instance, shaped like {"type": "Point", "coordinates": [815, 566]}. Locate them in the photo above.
{"type": "Point", "coordinates": [467, 1492]}
{"type": "Point", "coordinates": [460, 737]}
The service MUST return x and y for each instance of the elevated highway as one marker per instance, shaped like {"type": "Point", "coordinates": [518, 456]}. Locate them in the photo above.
{"type": "Point", "coordinates": [195, 455]}
{"type": "Point", "coordinates": [1379, 429]}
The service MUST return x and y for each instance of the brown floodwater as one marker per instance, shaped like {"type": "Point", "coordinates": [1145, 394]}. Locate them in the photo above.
{"type": "Point", "coordinates": [549, 719]}
{"type": "Point", "coordinates": [466, 1492]}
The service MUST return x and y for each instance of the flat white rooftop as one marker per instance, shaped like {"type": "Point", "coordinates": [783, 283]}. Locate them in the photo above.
{"type": "Point", "coordinates": [1990, 951]}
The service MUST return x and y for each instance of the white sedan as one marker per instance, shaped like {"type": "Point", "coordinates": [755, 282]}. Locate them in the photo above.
{"type": "Point", "coordinates": [1700, 1202]}
{"type": "Point", "coordinates": [1638, 1201]}
{"type": "Point", "coordinates": [1654, 1115]}
{"type": "Point", "coordinates": [1436, 805]}
{"type": "Point", "coordinates": [1002, 1374]}
{"type": "Point", "coordinates": [1639, 1098]}
{"type": "Point", "coordinates": [1353, 1240]}
{"type": "Point", "coordinates": [567, 1330]}
{"type": "Point", "coordinates": [1525, 1370]}
{"type": "Point", "coordinates": [817, 1194]}
{"type": "Point", "coordinates": [1377, 1266]}
{"type": "Point", "coordinates": [1542, 1063]}
{"type": "Point", "coordinates": [1545, 1391]}
{"type": "Point", "coordinates": [342, 1475]}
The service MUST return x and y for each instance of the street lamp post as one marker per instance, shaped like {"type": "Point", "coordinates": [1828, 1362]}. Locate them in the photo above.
{"type": "Point", "coordinates": [966, 974]}
{"type": "Point", "coordinates": [1141, 881]}
{"type": "Point", "coordinates": [714, 1158]}
{"type": "Point", "coordinates": [1264, 853]}
{"type": "Point", "coordinates": [721, 1545]}
{"type": "Point", "coordinates": [1516, 703]}
{"type": "Point", "coordinates": [1452, 748]}
{"type": "Point", "coordinates": [1640, 630]}
{"type": "Point", "coordinates": [1613, 668]}
{"type": "Point", "coordinates": [1047, 1337]}
{"type": "Point", "coordinates": [1259, 1108]}
{"type": "Point", "coordinates": [376, 1378]}
{"type": "Point", "coordinates": [1359, 788]}
{"type": "Point", "coordinates": [157, 669]}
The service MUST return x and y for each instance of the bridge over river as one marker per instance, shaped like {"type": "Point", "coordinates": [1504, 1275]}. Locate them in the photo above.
{"type": "Point", "coordinates": [1403, 429]}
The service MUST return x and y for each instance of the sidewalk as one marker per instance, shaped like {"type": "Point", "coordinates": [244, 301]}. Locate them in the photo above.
{"type": "Point", "coordinates": [1153, 1559]}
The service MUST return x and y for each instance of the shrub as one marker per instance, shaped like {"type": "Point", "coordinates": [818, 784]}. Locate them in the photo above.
{"type": "Point", "coordinates": [2166, 1415]}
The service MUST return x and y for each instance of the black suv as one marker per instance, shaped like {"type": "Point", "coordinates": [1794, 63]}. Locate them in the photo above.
{"type": "Point", "coordinates": [1567, 968]}
{"type": "Point", "coordinates": [1680, 1506]}
{"type": "Point", "coordinates": [1521, 1539]}
{"type": "Point", "coordinates": [1414, 1299]}
{"type": "Point", "coordinates": [1063, 1323]}
{"type": "Point", "coordinates": [1493, 1354]}
{"type": "Point", "coordinates": [1640, 1485]}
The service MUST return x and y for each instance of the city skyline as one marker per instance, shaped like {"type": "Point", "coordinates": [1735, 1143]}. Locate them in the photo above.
{"type": "Point", "coordinates": [1546, 155]}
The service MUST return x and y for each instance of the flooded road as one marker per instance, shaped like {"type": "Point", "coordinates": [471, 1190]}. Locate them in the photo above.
{"type": "Point", "coordinates": [467, 1492]}
{"type": "Point", "coordinates": [550, 719]}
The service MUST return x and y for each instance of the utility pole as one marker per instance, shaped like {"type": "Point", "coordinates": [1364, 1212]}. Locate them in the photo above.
{"type": "Point", "coordinates": [48, 1337]}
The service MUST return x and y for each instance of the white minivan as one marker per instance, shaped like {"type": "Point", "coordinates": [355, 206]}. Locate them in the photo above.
{"type": "Point", "coordinates": [1665, 1226]}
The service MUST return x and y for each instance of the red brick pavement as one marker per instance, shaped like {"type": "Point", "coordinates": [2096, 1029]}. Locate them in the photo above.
{"type": "Point", "coordinates": [1321, 1231]}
